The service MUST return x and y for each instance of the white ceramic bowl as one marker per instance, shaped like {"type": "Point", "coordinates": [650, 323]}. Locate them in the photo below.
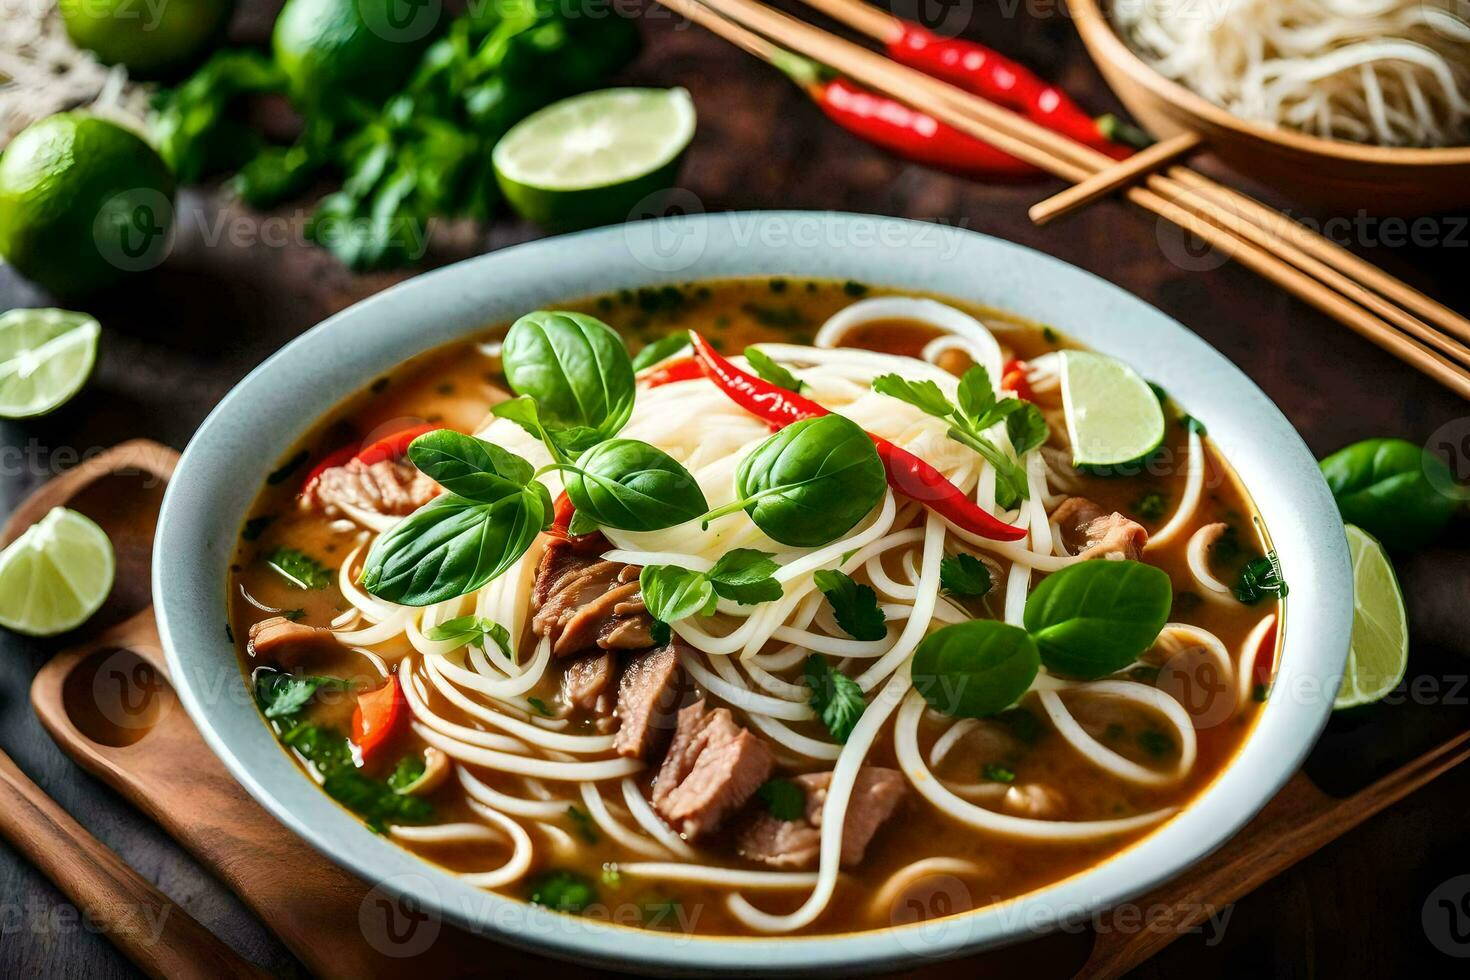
{"type": "Point", "coordinates": [246, 436]}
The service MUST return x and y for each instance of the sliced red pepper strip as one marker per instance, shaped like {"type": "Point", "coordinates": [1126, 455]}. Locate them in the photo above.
{"type": "Point", "coordinates": [394, 446]}
{"type": "Point", "coordinates": [337, 457]}
{"type": "Point", "coordinates": [907, 473]}
{"type": "Point", "coordinates": [378, 716]}
{"type": "Point", "coordinates": [1013, 378]}
{"type": "Point", "coordinates": [679, 369]}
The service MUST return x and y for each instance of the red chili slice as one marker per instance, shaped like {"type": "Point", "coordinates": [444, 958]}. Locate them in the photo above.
{"type": "Point", "coordinates": [378, 716]}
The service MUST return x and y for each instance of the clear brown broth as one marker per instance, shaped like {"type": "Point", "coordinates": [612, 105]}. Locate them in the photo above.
{"type": "Point", "coordinates": [453, 386]}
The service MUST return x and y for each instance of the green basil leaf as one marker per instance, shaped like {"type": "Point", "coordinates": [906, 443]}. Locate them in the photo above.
{"type": "Point", "coordinates": [563, 444]}
{"type": "Point", "coordinates": [855, 606]}
{"type": "Point", "coordinates": [282, 695]}
{"type": "Point", "coordinates": [964, 575]}
{"type": "Point", "coordinates": [672, 593]}
{"type": "Point", "coordinates": [835, 697]}
{"type": "Point", "coordinates": [452, 546]}
{"type": "Point", "coordinates": [1260, 578]}
{"type": "Point", "coordinates": [768, 370]}
{"type": "Point", "coordinates": [471, 630]}
{"type": "Point", "coordinates": [784, 799]}
{"type": "Point", "coordinates": [1392, 489]}
{"type": "Point", "coordinates": [301, 570]}
{"type": "Point", "coordinates": [576, 368]}
{"type": "Point", "coordinates": [1094, 618]}
{"type": "Point", "coordinates": [1026, 427]}
{"type": "Point", "coordinates": [812, 482]}
{"type": "Point", "coordinates": [976, 394]}
{"type": "Point", "coordinates": [632, 486]}
{"type": "Point", "coordinates": [975, 669]}
{"type": "Point", "coordinates": [746, 576]}
{"type": "Point", "coordinates": [470, 467]}
{"type": "Point", "coordinates": [923, 395]}
{"type": "Point", "coordinates": [660, 350]}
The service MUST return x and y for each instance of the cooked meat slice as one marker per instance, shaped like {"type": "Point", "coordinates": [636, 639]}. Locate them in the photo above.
{"type": "Point", "coordinates": [712, 768]}
{"type": "Point", "coordinates": [587, 680]}
{"type": "Point", "coordinates": [582, 602]}
{"type": "Point", "coordinates": [270, 638]}
{"type": "Point", "coordinates": [648, 703]}
{"type": "Point", "coordinates": [391, 487]}
{"type": "Point", "coordinates": [796, 844]}
{"type": "Point", "coordinates": [1095, 533]}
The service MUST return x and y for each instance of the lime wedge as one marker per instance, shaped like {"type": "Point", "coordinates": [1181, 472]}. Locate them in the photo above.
{"type": "Point", "coordinates": [1380, 649]}
{"type": "Point", "coordinates": [1113, 416]}
{"type": "Point", "coordinates": [589, 160]}
{"type": "Point", "coordinates": [55, 575]}
{"type": "Point", "coordinates": [45, 358]}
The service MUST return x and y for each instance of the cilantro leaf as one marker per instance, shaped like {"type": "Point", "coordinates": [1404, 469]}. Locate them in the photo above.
{"type": "Point", "coordinates": [854, 605]}
{"type": "Point", "coordinates": [769, 370]}
{"type": "Point", "coordinates": [835, 697]}
{"type": "Point", "coordinates": [783, 798]}
{"type": "Point", "coordinates": [1260, 578]}
{"type": "Point", "coordinates": [471, 631]}
{"type": "Point", "coordinates": [1026, 428]}
{"type": "Point", "coordinates": [301, 570]}
{"type": "Point", "coordinates": [964, 575]}
{"type": "Point", "coordinates": [282, 695]}
{"type": "Point", "coordinates": [923, 395]}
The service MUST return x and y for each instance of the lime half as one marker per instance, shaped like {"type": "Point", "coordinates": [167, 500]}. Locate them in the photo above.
{"type": "Point", "coordinates": [55, 575]}
{"type": "Point", "coordinates": [1380, 648]}
{"type": "Point", "coordinates": [591, 159]}
{"type": "Point", "coordinates": [45, 358]}
{"type": "Point", "coordinates": [1113, 416]}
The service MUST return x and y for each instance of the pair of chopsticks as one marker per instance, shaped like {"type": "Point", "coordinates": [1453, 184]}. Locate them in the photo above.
{"type": "Point", "coordinates": [1386, 311]}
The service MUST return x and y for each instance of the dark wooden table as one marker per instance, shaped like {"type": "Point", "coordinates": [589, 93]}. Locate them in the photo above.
{"type": "Point", "coordinates": [233, 292]}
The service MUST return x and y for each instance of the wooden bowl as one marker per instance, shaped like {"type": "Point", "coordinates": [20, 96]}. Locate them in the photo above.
{"type": "Point", "coordinates": [1331, 174]}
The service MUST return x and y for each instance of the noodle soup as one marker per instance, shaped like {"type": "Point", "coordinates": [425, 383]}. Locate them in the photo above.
{"type": "Point", "coordinates": [759, 636]}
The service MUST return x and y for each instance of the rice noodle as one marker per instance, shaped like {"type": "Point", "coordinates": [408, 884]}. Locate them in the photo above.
{"type": "Point", "coordinates": [1194, 485]}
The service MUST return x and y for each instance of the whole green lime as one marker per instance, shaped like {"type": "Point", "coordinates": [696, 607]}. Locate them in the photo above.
{"type": "Point", "coordinates": [154, 40]}
{"type": "Point", "coordinates": [333, 50]}
{"type": "Point", "coordinates": [83, 202]}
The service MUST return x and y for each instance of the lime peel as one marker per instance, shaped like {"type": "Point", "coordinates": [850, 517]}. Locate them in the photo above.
{"type": "Point", "coordinates": [1379, 655]}
{"type": "Point", "coordinates": [1112, 414]}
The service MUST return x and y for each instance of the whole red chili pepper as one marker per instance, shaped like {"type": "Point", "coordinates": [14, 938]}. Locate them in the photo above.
{"type": "Point", "coordinates": [991, 75]}
{"type": "Point", "coordinates": [907, 473]}
{"type": "Point", "coordinates": [678, 369]}
{"type": "Point", "coordinates": [897, 128]}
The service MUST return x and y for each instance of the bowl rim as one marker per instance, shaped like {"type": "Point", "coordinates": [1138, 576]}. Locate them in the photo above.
{"type": "Point", "coordinates": [255, 424]}
{"type": "Point", "coordinates": [1105, 44]}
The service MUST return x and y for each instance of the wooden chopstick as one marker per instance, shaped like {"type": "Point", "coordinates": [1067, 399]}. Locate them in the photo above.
{"type": "Point", "coordinates": [1122, 173]}
{"type": "Point", "coordinates": [1248, 243]}
{"type": "Point", "coordinates": [885, 28]}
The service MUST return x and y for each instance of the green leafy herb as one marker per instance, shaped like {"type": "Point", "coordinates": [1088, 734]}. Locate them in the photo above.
{"type": "Point", "coordinates": [1094, 618]}
{"type": "Point", "coordinates": [776, 317]}
{"type": "Point", "coordinates": [452, 546]}
{"type": "Point", "coordinates": [977, 411]}
{"type": "Point", "coordinates": [409, 770]}
{"type": "Point", "coordinates": [195, 127]}
{"type": "Point", "coordinates": [835, 697]}
{"type": "Point", "coordinates": [471, 631]}
{"type": "Point", "coordinates": [672, 593]}
{"type": "Point", "coordinates": [1151, 506]}
{"type": "Point", "coordinates": [565, 891]}
{"type": "Point", "coordinates": [783, 798]}
{"type": "Point", "coordinates": [975, 669]}
{"type": "Point", "coordinates": [586, 829]}
{"type": "Point", "coordinates": [854, 606]}
{"type": "Point", "coordinates": [374, 800]}
{"type": "Point", "coordinates": [611, 877]}
{"type": "Point", "coordinates": [632, 486]}
{"type": "Point", "coordinates": [283, 472]}
{"type": "Point", "coordinates": [281, 695]}
{"type": "Point", "coordinates": [299, 569]}
{"type": "Point", "coordinates": [1393, 489]}
{"type": "Point", "coordinates": [540, 707]}
{"type": "Point", "coordinates": [326, 749]}
{"type": "Point", "coordinates": [1260, 578]}
{"type": "Point", "coordinates": [997, 773]}
{"type": "Point", "coordinates": [256, 526]}
{"type": "Point", "coordinates": [762, 364]}
{"type": "Point", "coordinates": [472, 468]}
{"type": "Point", "coordinates": [811, 482]}
{"type": "Point", "coordinates": [965, 576]}
{"type": "Point", "coordinates": [660, 350]}
{"type": "Point", "coordinates": [746, 576]}
{"type": "Point", "coordinates": [854, 288]}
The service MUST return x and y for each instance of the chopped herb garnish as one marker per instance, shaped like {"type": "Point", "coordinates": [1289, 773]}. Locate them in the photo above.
{"type": "Point", "coordinates": [1155, 743]}
{"type": "Point", "coordinates": [664, 299]}
{"type": "Point", "coordinates": [660, 350]}
{"type": "Point", "coordinates": [379, 386]}
{"type": "Point", "coordinates": [965, 576]}
{"type": "Point", "coordinates": [854, 606]}
{"type": "Point", "coordinates": [777, 285]}
{"type": "Point", "coordinates": [776, 317]}
{"type": "Point", "coordinates": [769, 370]}
{"type": "Point", "coordinates": [1049, 335]}
{"type": "Point", "coordinates": [409, 770]}
{"type": "Point", "coordinates": [282, 695]}
{"type": "Point", "coordinates": [1259, 692]}
{"type": "Point", "coordinates": [1151, 506]}
{"type": "Point", "coordinates": [611, 877]}
{"type": "Point", "coordinates": [256, 526]}
{"type": "Point", "coordinates": [1260, 578]}
{"type": "Point", "coordinates": [997, 773]}
{"type": "Point", "coordinates": [854, 288]}
{"type": "Point", "coordinates": [661, 632]}
{"type": "Point", "coordinates": [565, 891]}
{"type": "Point", "coordinates": [294, 615]}
{"type": "Point", "coordinates": [299, 569]}
{"type": "Point", "coordinates": [280, 474]}
{"type": "Point", "coordinates": [374, 800]}
{"type": "Point", "coordinates": [835, 697]}
{"type": "Point", "coordinates": [784, 799]}
{"type": "Point", "coordinates": [540, 707]}
{"type": "Point", "coordinates": [586, 829]}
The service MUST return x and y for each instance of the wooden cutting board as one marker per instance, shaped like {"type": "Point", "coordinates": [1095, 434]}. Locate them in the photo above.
{"type": "Point", "coordinates": [108, 704]}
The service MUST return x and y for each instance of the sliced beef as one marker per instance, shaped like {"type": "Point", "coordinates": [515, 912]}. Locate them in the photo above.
{"type": "Point", "coordinates": [1095, 533]}
{"type": "Point", "coordinates": [582, 602]}
{"type": "Point", "coordinates": [796, 844]}
{"type": "Point", "coordinates": [712, 768]}
{"type": "Point", "coordinates": [273, 639]}
{"type": "Point", "coordinates": [588, 681]}
{"type": "Point", "coordinates": [391, 487]}
{"type": "Point", "coordinates": [648, 703]}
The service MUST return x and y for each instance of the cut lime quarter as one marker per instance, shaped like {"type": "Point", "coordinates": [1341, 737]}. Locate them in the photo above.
{"type": "Point", "coordinates": [592, 159]}
{"type": "Point", "coordinates": [55, 575]}
{"type": "Point", "coordinates": [45, 358]}
{"type": "Point", "coordinates": [1113, 416]}
{"type": "Point", "coordinates": [1379, 655]}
